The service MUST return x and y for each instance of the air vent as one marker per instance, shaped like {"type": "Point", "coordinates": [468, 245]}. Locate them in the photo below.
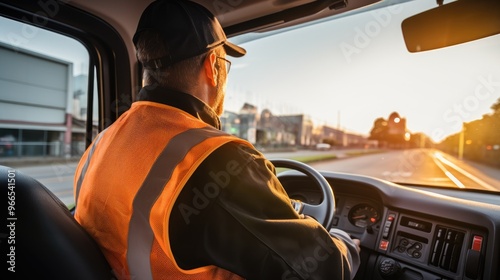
{"type": "Point", "coordinates": [446, 248]}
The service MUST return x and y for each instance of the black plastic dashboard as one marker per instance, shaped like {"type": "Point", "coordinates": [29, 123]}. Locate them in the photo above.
{"type": "Point", "coordinates": [411, 232]}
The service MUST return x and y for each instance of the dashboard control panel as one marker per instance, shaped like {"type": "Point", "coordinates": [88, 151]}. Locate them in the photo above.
{"type": "Point", "coordinates": [446, 249]}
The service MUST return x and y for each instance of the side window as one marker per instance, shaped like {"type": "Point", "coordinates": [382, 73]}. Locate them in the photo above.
{"type": "Point", "coordinates": [44, 93]}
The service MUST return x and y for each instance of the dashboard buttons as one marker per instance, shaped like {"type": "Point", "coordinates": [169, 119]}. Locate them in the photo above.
{"type": "Point", "coordinates": [387, 225]}
{"type": "Point", "coordinates": [417, 246]}
{"type": "Point", "coordinates": [386, 230]}
{"type": "Point", "coordinates": [402, 245]}
{"type": "Point", "coordinates": [447, 248]}
{"type": "Point", "coordinates": [404, 242]}
{"type": "Point", "coordinates": [384, 244]}
{"type": "Point", "coordinates": [416, 254]}
{"type": "Point", "coordinates": [410, 247]}
{"type": "Point", "coordinates": [474, 258]}
{"type": "Point", "coordinates": [477, 242]}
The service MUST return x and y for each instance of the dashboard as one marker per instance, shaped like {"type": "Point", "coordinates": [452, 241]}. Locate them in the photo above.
{"type": "Point", "coordinates": [411, 232]}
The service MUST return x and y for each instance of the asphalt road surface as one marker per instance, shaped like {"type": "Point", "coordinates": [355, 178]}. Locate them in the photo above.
{"type": "Point", "coordinates": [418, 166]}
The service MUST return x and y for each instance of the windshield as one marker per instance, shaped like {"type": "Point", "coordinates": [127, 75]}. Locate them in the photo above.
{"type": "Point", "coordinates": [348, 89]}
{"type": "Point", "coordinates": [343, 94]}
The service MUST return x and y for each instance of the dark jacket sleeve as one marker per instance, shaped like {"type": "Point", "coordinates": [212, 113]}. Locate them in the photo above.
{"type": "Point", "coordinates": [235, 214]}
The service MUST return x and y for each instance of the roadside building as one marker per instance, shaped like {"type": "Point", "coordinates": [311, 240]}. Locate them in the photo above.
{"type": "Point", "coordinates": [44, 87]}
{"type": "Point", "coordinates": [341, 138]}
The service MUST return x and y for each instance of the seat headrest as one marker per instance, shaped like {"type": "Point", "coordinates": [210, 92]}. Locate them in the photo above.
{"type": "Point", "coordinates": [49, 242]}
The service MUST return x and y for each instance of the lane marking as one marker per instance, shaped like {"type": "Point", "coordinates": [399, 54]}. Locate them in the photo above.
{"type": "Point", "coordinates": [448, 174]}
{"type": "Point", "coordinates": [467, 174]}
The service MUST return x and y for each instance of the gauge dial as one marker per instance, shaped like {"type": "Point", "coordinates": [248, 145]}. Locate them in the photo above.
{"type": "Point", "coordinates": [363, 215]}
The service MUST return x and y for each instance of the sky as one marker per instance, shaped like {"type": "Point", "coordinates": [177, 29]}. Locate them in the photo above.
{"type": "Point", "coordinates": [343, 73]}
{"type": "Point", "coordinates": [349, 71]}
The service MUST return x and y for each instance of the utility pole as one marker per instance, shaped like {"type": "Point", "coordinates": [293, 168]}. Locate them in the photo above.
{"type": "Point", "coordinates": [338, 119]}
{"type": "Point", "coordinates": [461, 141]}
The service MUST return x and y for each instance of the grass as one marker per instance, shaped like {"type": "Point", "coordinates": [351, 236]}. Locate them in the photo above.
{"type": "Point", "coordinates": [363, 152]}
{"type": "Point", "coordinates": [312, 158]}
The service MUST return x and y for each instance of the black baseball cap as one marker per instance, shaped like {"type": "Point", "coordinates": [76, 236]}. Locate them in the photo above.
{"type": "Point", "coordinates": [188, 28]}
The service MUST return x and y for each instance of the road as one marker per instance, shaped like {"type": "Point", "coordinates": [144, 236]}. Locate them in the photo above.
{"type": "Point", "coordinates": [422, 166]}
{"type": "Point", "coordinates": [57, 177]}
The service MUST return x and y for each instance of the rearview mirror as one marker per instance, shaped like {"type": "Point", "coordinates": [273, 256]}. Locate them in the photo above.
{"type": "Point", "coordinates": [451, 24]}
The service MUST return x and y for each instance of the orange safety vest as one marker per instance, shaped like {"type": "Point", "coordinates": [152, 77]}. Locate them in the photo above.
{"type": "Point", "coordinates": [127, 183]}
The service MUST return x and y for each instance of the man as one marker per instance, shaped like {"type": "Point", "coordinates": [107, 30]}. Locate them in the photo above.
{"type": "Point", "coordinates": [166, 194]}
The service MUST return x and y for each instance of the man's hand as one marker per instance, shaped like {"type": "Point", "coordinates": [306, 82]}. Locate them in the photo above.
{"type": "Point", "coordinates": [353, 246]}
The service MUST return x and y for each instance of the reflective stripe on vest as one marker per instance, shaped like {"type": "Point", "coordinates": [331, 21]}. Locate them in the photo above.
{"type": "Point", "coordinates": [140, 237]}
{"type": "Point", "coordinates": [86, 166]}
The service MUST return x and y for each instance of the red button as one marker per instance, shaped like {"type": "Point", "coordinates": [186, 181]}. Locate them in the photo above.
{"type": "Point", "coordinates": [477, 241]}
{"type": "Point", "coordinates": [383, 245]}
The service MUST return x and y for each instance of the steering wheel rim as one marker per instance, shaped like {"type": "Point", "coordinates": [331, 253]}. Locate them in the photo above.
{"type": "Point", "coordinates": [322, 212]}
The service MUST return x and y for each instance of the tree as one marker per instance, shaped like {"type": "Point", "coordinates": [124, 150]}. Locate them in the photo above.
{"type": "Point", "coordinates": [496, 107]}
{"type": "Point", "coordinates": [379, 130]}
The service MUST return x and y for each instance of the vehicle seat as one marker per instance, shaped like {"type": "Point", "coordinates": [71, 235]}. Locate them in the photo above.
{"type": "Point", "coordinates": [42, 237]}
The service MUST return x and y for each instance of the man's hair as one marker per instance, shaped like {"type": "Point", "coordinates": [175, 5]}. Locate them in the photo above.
{"type": "Point", "coordinates": [180, 75]}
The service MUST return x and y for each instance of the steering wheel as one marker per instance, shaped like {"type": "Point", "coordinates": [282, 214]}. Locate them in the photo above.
{"type": "Point", "coordinates": [322, 212]}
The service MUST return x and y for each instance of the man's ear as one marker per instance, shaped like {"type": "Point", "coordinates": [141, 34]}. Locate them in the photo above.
{"type": "Point", "coordinates": [210, 68]}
